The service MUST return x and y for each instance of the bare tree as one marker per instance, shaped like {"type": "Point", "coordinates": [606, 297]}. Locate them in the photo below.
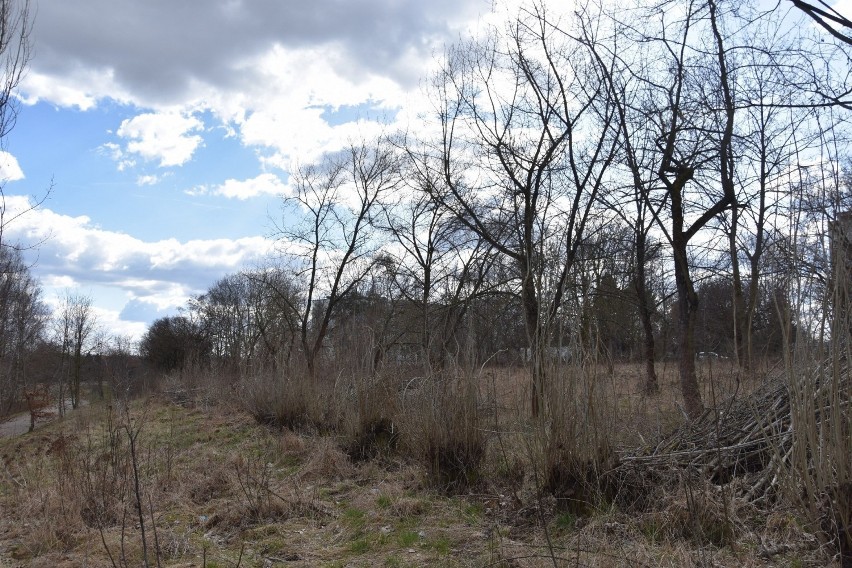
{"type": "Point", "coordinates": [275, 300]}
{"type": "Point", "coordinates": [333, 245]}
{"type": "Point", "coordinates": [681, 93]}
{"type": "Point", "coordinates": [75, 326]}
{"type": "Point", "coordinates": [773, 129]}
{"type": "Point", "coordinates": [15, 52]}
{"type": "Point", "coordinates": [175, 342]}
{"type": "Point", "coordinates": [22, 306]}
{"type": "Point", "coordinates": [527, 136]}
{"type": "Point", "coordinates": [226, 313]}
{"type": "Point", "coordinates": [621, 69]}
{"type": "Point", "coordinates": [420, 228]}
{"type": "Point", "coordinates": [440, 266]}
{"type": "Point", "coordinates": [827, 17]}
{"type": "Point", "coordinates": [22, 323]}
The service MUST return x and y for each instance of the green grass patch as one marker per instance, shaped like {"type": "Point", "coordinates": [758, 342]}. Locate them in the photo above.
{"type": "Point", "coordinates": [360, 546]}
{"type": "Point", "coordinates": [354, 517]}
{"type": "Point", "coordinates": [566, 521]}
{"type": "Point", "coordinates": [441, 545]}
{"type": "Point", "coordinates": [651, 530]}
{"type": "Point", "coordinates": [472, 513]}
{"type": "Point", "coordinates": [407, 538]}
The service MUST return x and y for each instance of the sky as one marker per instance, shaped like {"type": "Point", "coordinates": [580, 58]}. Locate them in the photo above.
{"type": "Point", "coordinates": [154, 139]}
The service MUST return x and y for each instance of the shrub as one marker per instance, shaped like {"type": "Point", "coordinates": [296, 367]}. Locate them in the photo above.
{"type": "Point", "coordinates": [573, 436]}
{"type": "Point", "coordinates": [372, 428]}
{"type": "Point", "coordinates": [296, 403]}
{"type": "Point", "coordinates": [819, 477]}
{"type": "Point", "coordinates": [448, 436]}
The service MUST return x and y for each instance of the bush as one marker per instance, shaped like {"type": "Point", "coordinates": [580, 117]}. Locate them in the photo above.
{"type": "Point", "coordinates": [819, 477]}
{"type": "Point", "coordinates": [448, 436]}
{"type": "Point", "coordinates": [573, 436]}
{"type": "Point", "coordinates": [296, 403]}
{"type": "Point", "coordinates": [373, 425]}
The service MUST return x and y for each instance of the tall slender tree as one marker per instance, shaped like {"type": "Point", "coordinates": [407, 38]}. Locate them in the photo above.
{"type": "Point", "coordinates": [527, 138]}
{"type": "Point", "coordinates": [334, 243]}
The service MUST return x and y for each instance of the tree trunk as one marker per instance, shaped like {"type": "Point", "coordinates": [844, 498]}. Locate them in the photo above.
{"type": "Point", "coordinates": [652, 385]}
{"type": "Point", "coordinates": [740, 316]}
{"type": "Point", "coordinates": [531, 315]}
{"type": "Point", "coordinates": [426, 328]}
{"type": "Point", "coordinates": [310, 361]}
{"type": "Point", "coordinates": [75, 386]}
{"type": "Point", "coordinates": [649, 351]}
{"type": "Point", "coordinates": [687, 302]}
{"type": "Point", "coordinates": [753, 289]}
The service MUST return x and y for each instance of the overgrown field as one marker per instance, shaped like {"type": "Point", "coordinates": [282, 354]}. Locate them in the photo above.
{"type": "Point", "coordinates": [395, 471]}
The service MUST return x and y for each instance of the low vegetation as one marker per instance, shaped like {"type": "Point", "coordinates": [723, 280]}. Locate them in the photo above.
{"type": "Point", "coordinates": [198, 477]}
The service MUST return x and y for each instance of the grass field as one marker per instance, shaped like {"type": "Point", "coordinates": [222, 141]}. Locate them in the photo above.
{"type": "Point", "coordinates": [217, 489]}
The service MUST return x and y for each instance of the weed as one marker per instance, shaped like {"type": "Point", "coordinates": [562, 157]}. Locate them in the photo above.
{"type": "Point", "coordinates": [373, 431]}
{"type": "Point", "coordinates": [441, 546]}
{"type": "Point", "coordinates": [651, 530]}
{"type": "Point", "coordinates": [360, 546]}
{"type": "Point", "coordinates": [472, 513]}
{"type": "Point", "coordinates": [450, 439]}
{"type": "Point", "coordinates": [73, 480]}
{"type": "Point", "coordinates": [292, 402]}
{"type": "Point", "coordinates": [566, 521]}
{"type": "Point", "coordinates": [407, 538]}
{"type": "Point", "coordinates": [355, 518]}
{"type": "Point", "coordinates": [254, 477]}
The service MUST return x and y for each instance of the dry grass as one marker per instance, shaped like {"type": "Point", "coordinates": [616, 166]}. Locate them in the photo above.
{"type": "Point", "coordinates": [223, 489]}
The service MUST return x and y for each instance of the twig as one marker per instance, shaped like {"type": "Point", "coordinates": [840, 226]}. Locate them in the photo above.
{"type": "Point", "coordinates": [240, 557]}
{"type": "Point", "coordinates": [154, 528]}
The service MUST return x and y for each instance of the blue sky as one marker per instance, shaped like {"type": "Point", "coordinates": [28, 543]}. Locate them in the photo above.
{"type": "Point", "coordinates": [165, 131]}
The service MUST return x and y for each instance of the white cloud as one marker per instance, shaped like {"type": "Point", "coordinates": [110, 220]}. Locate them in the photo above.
{"type": "Point", "coordinates": [112, 150]}
{"type": "Point", "coordinates": [117, 155]}
{"type": "Point", "coordinates": [282, 66]}
{"type": "Point", "coordinates": [176, 51]}
{"type": "Point", "coordinates": [197, 190]}
{"type": "Point", "coordinates": [296, 89]}
{"type": "Point", "coordinates": [164, 273]}
{"type": "Point", "coordinates": [282, 83]}
{"type": "Point", "coordinates": [10, 170]}
{"type": "Point", "coordinates": [169, 137]}
{"type": "Point", "coordinates": [147, 180]}
{"type": "Point", "coordinates": [263, 184]}
{"type": "Point", "coordinates": [81, 87]}
{"type": "Point", "coordinates": [116, 325]}
{"type": "Point", "coordinates": [58, 281]}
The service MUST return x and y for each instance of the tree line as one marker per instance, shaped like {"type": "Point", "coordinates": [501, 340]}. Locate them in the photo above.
{"type": "Point", "coordinates": [60, 346]}
{"type": "Point", "coordinates": [641, 183]}
{"type": "Point", "coordinates": [637, 184]}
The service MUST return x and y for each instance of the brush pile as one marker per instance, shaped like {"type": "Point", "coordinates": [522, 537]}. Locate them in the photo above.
{"type": "Point", "coordinates": [746, 442]}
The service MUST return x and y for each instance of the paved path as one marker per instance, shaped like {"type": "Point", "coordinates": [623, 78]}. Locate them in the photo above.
{"type": "Point", "coordinates": [16, 425]}
{"type": "Point", "coordinates": [20, 423]}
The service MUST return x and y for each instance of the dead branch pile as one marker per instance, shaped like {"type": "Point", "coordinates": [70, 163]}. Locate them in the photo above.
{"type": "Point", "coordinates": [746, 439]}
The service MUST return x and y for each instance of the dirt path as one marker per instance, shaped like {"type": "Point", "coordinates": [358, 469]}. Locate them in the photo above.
{"type": "Point", "coordinates": [16, 425]}
{"type": "Point", "coordinates": [20, 423]}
